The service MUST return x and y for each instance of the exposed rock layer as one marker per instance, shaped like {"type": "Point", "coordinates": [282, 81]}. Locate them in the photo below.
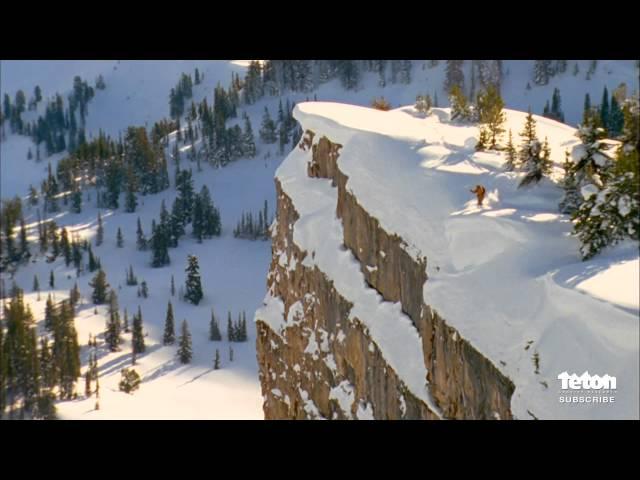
{"type": "Point", "coordinates": [347, 376]}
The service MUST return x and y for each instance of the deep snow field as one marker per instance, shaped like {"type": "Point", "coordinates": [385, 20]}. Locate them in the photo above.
{"type": "Point", "coordinates": [506, 275]}
{"type": "Point", "coordinates": [524, 226]}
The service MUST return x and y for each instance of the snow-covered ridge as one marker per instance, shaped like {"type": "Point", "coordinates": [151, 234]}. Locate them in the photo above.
{"type": "Point", "coordinates": [507, 275]}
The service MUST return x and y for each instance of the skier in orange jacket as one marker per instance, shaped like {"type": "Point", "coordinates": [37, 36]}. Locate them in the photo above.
{"type": "Point", "coordinates": [480, 192]}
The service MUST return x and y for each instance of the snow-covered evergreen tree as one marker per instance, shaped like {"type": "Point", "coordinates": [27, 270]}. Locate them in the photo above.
{"type": "Point", "coordinates": [610, 211]}
{"type": "Point", "coordinates": [214, 329]}
{"type": "Point", "coordinates": [100, 231]}
{"type": "Point", "coordinates": [112, 331]}
{"type": "Point", "coordinates": [460, 108]}
{"type": "Point", "coordinates": [141, 239]}
{"type": "Point", "coordinates": [534, 156]}
{"type": "Point", "coordinates": [591, 156]}
{"type": "Point", "coordinates": [216, 360]}
{"type": "Point", "coordinates": [268, 128]}
{"type": "Point", "coordinates": [119, 239]}
{"type": "Point", "coordinates": [137, 339]}
{"type": "Point", "coordinates": [572, 197]}
{"type": "Point", "coordinates": [185, 352]}
{"type": "Point", "coordinates": [423, 104]}
{"type": "Point", "coordinates": [542, 71]}
{"type": "Point", "coordinates": [248, 141]}
{"type": "Point", "coordinates": [100, 287]}
{"type": "Point", "coordinates": [169, 335]}
{"type": "Point", "coordinates": [193, 293]}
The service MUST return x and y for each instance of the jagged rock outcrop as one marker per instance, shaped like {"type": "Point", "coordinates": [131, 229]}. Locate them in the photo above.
{"type": "Point", "coordinates": [322, 362]}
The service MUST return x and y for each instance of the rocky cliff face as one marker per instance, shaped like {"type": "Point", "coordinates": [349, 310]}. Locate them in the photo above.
{"type": "Point", "coordinates": [323, 363]}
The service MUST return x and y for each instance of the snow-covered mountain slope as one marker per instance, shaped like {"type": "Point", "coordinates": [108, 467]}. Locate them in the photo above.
{"type": "Point", "coordinates": [234, 271]}
{"type": "Point", "coordinates": [137, 93]}
{"type": "Point", "coordinates": [506, 275]}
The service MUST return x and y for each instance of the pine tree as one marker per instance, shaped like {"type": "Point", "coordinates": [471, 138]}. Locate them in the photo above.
{"type": "Point", "coordinates": [48, 377]}
{"type": "Point", "coordinates": [125, 321]}
{"type": "Point", "coordinates": [539, 163]}
{"type": "Point", "coordinates": [52, 280]}
{"type": "Point", "coordinates": [243, 327]}
{"type": "Point", "coordinates": [556, 106]}
{"type": "Point", "coordinates": [216, 361]}
{"type": "Point", "coordinates": [454, 75]}
{"type": "Point", "coordinates": [529, 131]}
{"type": "Point", "coordinates": [144, 289]}
{"type": "Point", "coordinates": [541, 72]}
{"type": "Point", "coordinates": [33, 195]}
{"type": "Point", "coordinates": [129, 381]}
{"type": "Point", "coordinates": [132, 280]}
{"type": "Point", "coordinates": [74, 294]}
{"type": "Point", "coordinates": [283, 134]}
{"type": "Point", "coordinates": [616, 118]}
{"type": "Point", "coordinates": [185, 352]}
{"type": "Point", "coordinates": [49, 315]}
{"type": "Point", "coordinates": [248, 141]}
{"type": "Point", "coordinates": [491, 114]}
{"type": "Point", "coordinates": [112, 332]}
{"type": "Point", "coordinates": [160, 245]}
{"type": "Point", "coordinates": [230, 354]}
{"type": "Point", "coordinates": [604, 108]}
{"type": "Point", "coordinates": [130, 202]}
{"type": "Point", "coordinates": [184, 185]}
{"type": "Point", "coordinates": [176, 222]}
{"type": "Point", "coordinates": [231, 334]}
{"type": "Point", "coordinates": [586, 112]}
{"type": "Point", "coordinates": [268, 128]}
{"type": "Point", "coordinates": [483, 139]}
{"type": "Point", "coordinates": [100, 231]}
{"type": "Point", "coordinates": [534, 157]}
{"type": "Point", "coordinates": [591, 156]}
{"type": "Point", "coordinates": [423, 104]}
{"type": "Point", "coordinates": [119, 239]}
{"type": "Point", "coordinates": [53, 239]}
{"type": "Point", "coordinates": [36, 284]}
{"type": "Point", "coordinates": [572, 198]}
{"type": "Point", "coordinates": [169, 331]}
{"type": "Point", "coordinates": [206, 218]}
{"type": "Point", "coordinates": [349, 73]}
{"type": "Point", "coordinates": [141, 241]}
{"type": "Point", "coordinates": [100, 288]}
{"type": "Point", "coordinates": [510, 165]}
{"type": "Point", "coordinates": [460, 108]}
{"type": "Point", "coordinates": [214, 330]}
{"type": "Point", "coordinates": [173, 287]}
{"type": "Point", "coordinates": [198, 219]}
{"type": "Point", "coordinates": [137, 340]}
{"type": "Point", "coordinates": [193, 286]}
{"type": "Point", "coordinates": [66, 350]}
{"type": "Point", "coordinates": [24, 243]}
{"type": "Point", "coordinates": [76, 200]}
{"type": "Point", "coordinates": [610, 211]}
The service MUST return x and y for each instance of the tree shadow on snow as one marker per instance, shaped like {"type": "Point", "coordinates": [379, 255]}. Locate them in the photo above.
{"type": "Point", "coordinates": [122, 361]}
{"type": "Point", "coordinates": [162, 369]}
